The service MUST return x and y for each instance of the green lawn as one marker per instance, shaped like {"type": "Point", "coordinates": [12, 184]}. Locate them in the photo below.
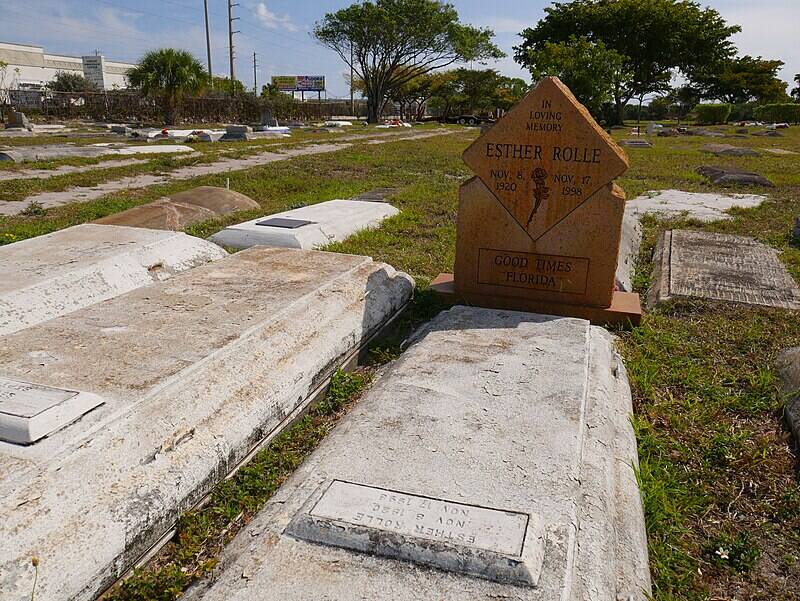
{"type": "Point", "coordinates": [718, 469]}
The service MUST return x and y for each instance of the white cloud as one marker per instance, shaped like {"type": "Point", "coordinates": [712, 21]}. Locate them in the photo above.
{"type": "Point", "coordinates": [769, 29]}
{"type": "Point", "coordinates": [272, 21]}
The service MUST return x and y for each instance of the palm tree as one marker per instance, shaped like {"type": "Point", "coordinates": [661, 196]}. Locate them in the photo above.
{"type": "Point", "coordinates": [168, 74]}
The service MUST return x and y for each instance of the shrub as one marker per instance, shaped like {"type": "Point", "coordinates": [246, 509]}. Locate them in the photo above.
{"type": "Point", "coordinates": [778, 113]}
{"type": "Point", "coordinates": [709, 114]}
{"type": "Point", "coordinates": [742, 112]}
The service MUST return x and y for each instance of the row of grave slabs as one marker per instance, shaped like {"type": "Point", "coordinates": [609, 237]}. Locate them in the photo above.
{"type": "Point", "coordinates": [538, 231]}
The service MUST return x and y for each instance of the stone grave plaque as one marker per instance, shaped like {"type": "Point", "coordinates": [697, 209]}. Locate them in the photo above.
{"type": "Point", "coordinates": [495, 544]}
{"type": "Point", "coordinates": [720, 267]}
{"type": "Point", "coordinates": [539, 227]}
{"type": "Point", "coordinates": [284, 223]}
{"type": "Point", "coordinates": [29, 412]}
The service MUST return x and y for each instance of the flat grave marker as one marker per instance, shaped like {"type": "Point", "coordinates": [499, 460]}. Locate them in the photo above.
{"type": "Point", "coordinates": [308, 227]}
{"type": "Point", "coordinates": [539, 227]}
{"type": "Point", "coordinates": [720, 267]}
{"type": "Point", "coordinates": [496, 544]}
{"type": "Point", "coordinates": [29, 411]}
{"type": "Point", "coordinates": [283, 222]}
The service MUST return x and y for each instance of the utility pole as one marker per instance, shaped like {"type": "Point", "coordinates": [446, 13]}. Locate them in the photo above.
{"type": "Point", "coordinates": [208, 40]}
{"type": "Point", "coordinates": [255, 83]}
{"type": "Point", "coordinates": [231, 19]}
{"type": "Point", "coordinates": [352, 103]}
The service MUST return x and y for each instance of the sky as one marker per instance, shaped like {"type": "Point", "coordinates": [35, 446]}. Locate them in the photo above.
{"type": "Point", "coordinates": [278, 31]}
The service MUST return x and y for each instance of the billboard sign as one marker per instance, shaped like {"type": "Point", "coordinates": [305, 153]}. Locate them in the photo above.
{"type": "Point", "coordinates": [310, 83]}
{"type": "Point", "coordinates": [285, 83]}
{"type": "Point", "coordinates": [299, 83]}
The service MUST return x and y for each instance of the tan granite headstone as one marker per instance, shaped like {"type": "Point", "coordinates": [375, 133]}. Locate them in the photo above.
{"type": "Point", "coordinates": [539, 227]}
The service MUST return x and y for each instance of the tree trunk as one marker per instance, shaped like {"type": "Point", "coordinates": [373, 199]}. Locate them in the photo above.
{"type": "Point", "coordinates": [620, 112]}
{"type": "Point", "coordinates": [372, 109]}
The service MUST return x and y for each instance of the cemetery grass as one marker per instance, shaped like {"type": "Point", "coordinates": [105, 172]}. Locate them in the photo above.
{"type": "Point", "coordinates": [717, 468]}
{"type": "Point", "coordinates": [205, 152]}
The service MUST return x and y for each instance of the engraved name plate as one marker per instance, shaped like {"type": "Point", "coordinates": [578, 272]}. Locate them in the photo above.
{"type": "Point", "coordinates": [30, 411]}
{"type": "Point", "coordinates": [496, 544]}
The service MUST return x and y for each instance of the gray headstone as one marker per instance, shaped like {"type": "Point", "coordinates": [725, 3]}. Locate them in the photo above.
{"type": "Point", "coordinates": [797, 227]}
{"type": "Point", "coordinates": [238, 129]}
{"type": "Point", "coordinates": [267, 118]}
{"type": "Point", "coordinates": [789, 371]}
{"type": "Point", "coordinates": [17, 120]}
{"type": "Point", "coordinates": [726, 176]}
{"type": "Point", "coordinates": [637, 143]}
{"type": "Point", "coordinates": [728, 150]}
{"type": "Point", "coordinates": [376, 195]}
{"type": "Point", "coordinates": [721, 267]}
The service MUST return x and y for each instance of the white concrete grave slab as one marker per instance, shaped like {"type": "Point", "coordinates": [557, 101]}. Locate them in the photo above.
{"type": "Point", "coordinates": [701, 206]}
{"type": "Point", "coordinates": [422, 490]}
{"type": "Point", "coordinates": [29, 412]}
{"type": "Point", "coordinates": [308, 227]}
{"type": "Point", "coordinates": [64, 271]}
{"type": "Point", "coordinates": [195, 372]}
{"type": "Point", "coordinates": [21, 154]}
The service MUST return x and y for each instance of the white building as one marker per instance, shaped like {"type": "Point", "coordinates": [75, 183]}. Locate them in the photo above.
{"type": "Point", "coordinates": [31, 67]}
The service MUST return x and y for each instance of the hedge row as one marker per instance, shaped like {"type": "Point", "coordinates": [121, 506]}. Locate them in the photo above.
{"type": "Point", "coordinates": [710, 114]}
{"type": "Point", "coordinates": [778, 113]}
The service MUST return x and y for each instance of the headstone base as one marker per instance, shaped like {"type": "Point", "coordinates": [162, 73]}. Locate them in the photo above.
{"type": "Point", "coordinates": [625, 309]}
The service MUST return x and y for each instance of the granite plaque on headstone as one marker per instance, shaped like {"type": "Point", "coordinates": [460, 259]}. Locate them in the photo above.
{"type": "Point", "coordinates": [539, 227]}
{"type": "Point", "coordinates": [496, 544]}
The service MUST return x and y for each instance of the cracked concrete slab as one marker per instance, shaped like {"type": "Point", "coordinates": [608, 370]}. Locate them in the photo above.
{"type": "Point", "coordinates": [66, 169]}
{"type": "Point", "coordinates": [671, 203]}
{"type": "Point", "coordinates": [20, 154]}
{"type": "Point", "coordinates": [487, 410]}
{"type": "Point", "coordinates": [67, 270]}
{"type": "Point", "coordinates": [194, 373]}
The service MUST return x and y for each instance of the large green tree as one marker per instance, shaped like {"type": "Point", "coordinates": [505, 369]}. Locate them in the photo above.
{"type": "Point", "coordinates": [655, 37]}
{"type": "Point", "coordinates": [462, 91]}
{"type": "Point", "coordinates": [743, 79]}
{"type": "Point", "coordinates": [168, 75]}
{"type": "Point", "coordinates": [796, 91]}
{"type": "Point", "coordinates": [393, 41]}
{"type": "Point", "coordinates": [71, 82]}
{"type": "Point", "coordinates": [590, 69]}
